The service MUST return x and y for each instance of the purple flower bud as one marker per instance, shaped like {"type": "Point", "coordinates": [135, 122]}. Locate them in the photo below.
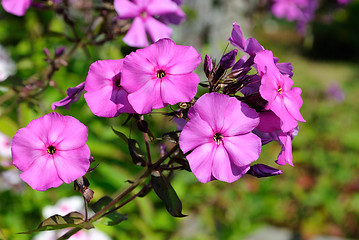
{"type": "Point", "coordinates": [228, 59]}
{"type": "Point", "coordinates": [73, 95]}
{"type": "Point", "coordinates": [207, 65]}
{"type": "Point", "coordinates": [47, 52]}
{"type": "Point", "coordinates": [261, 170]}
{"type": "Point", "coordinates": [59, 51]}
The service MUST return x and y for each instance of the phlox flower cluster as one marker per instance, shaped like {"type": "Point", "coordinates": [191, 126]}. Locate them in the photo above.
{"type": "Point", "coordinates": [300, 11]}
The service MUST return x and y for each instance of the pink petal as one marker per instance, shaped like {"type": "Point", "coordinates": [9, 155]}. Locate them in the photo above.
{"type": "Point", "coordinates": [72, 164]}
{"type": "Point", "coordinates": [156, 29]}
{"type": "Point", "coordinates": [126, 9]}
{"type": "Point", "coordinates": [292, 102]}
{"type": "Point", "coordinates": [186, 60]}
{"type": "Point", "coordinates": [146, 98]}
{"type": "Point", "coordinates": [200, 161]}
{"type": "Point", "coordinates": [101, 74]}
{"type": "Point", "coordinates": [137, 70]}
{"type": "Point", "coordinates": [195, 133]}
{"type": "Point", "coordinates": [285, 155]}
{"type": "Point", "coordinates": [42, 174]}
{"type": "Point", "coordinates": [16, 7]}
{"type": "Point", "coordinates": [161, 53]}
{"type": "Point", "coordinates": [265, 63]}
{"type": "Point", "coordinates": [26, 147]}
{"type": "Point", "coordinates": [72, 136]}
{"type": "Point", "coordinates": [136, 35]}
{"type": "Point", "coordinates": [224, 114]}
{"type": "Point", "coordinates": [160, 7]}
{"type": "Point", "coordinates": [223, 169]}
{"type": "Point", "coordinates": [185, 87]}
{"type": "Point", "coordinates": [243, 149]}
{"type": "Point", "coordinates": [288, 122]}
{"type": "Point", "coordinates": [268, 88]}
{"type": "Point", "coordinates": [100, 104]}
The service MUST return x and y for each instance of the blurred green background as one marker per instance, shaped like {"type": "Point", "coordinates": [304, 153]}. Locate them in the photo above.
{"type": "Point", "coordinates": [319, 196]}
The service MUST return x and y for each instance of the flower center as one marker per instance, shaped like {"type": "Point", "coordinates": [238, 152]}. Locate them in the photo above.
{"type": "Point", "coordinates": [280, 90]}
{"type": "Point", "coordinates": [217, 138]}
{"type": "Point", "coordinates": [143, 14]}
{"type": "Point", "coordinates": [117, 80]}
{"type": "Point", "coordinates": [51, 149]}
{"type": "Point", "coordinates": [161, 73]}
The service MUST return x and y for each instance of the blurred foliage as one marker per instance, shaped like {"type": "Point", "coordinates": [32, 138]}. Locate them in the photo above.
{"type": "Point", "coordinates": [320, 195]}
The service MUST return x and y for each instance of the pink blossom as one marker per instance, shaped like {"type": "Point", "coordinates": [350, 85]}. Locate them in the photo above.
{"type": "Point", "coordinates": [143, 12]}
{"type": "Point", "coordinates": [105, 96]}
{"type": "Point", "coordinates": [51, 150]}
{"type": "Point", "coordinates": [160, 74]}
{"type": "Point", "coordinates": [276, 88]}
{"type": "Point", "coordinates": [219, 137]}
{"type": "Point", "coordinates": [16, 7]}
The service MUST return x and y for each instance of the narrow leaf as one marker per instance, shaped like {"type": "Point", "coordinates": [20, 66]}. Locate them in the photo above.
{"type": "Point", "coordinates": [137, 156]}
{"type": "Point", "coordinates": [121, 135]}
{"type": "Point", "coordinates": [167, 194]}
{"type": "Point", "coordinates": [73, 219]}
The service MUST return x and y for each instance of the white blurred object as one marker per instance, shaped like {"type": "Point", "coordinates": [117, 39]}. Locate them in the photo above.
{"type": "Point", "coordinates": [7, 65]}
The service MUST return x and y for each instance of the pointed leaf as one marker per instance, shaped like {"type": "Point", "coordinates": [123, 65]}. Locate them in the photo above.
{"type": "Point", "coordinates": [137, 156]}
{"type": "Point", "coordinates": [167, 194]}
{"type": "Point", "coordinates": [121, 135]}
{"type": "Point", "coordinates": [73, 219]}
{"type": "Point", "coordinates": [112, 218]}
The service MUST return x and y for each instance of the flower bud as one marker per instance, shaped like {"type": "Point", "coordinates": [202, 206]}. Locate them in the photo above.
{"type": "Point", "coordinates": [262, 170]}
{"type": "Point", "coordinates": [228, 59]}
{"type": "Point", "coordinates": [207, 65]}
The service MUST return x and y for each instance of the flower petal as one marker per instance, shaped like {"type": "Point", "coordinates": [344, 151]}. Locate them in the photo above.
{"type": "Point", "coordinates": [160, 7]}
{"type": "Point", "coordinates": [126, 9]}
{"type": "Point", "coordinates": [223, 169]}
{"type": "Point", "coordinates": [243, 149]}
{"type": "Point", "coordinates": [42, 174]}
{"type": "Point", "coordinates": [72, 164]}
{"type": "Point", "coordinates": [200, 161]}
{"type": "Point", "coordinates": [18, 7]}
{"type": "Point", "coordinates": [100, 104]}
{"type": "Point", "coordinates": [146, 98]}
{"type": "Point", "coordinates": [195, 133]}
{"type": "Point", "coordinates": [136, 35]}
{"type": "Point", "coordinates": [156, 29]}
{"type": "Point", "coordinates": [185, 87]}
{"type": "Point", "coordinates": [186, 60]}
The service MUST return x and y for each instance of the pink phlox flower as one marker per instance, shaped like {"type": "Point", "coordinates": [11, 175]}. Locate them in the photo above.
{"type": "Point", "coordinates": [104, 94]}
{"type": "Point", "coordinates": [143, 13]}
{"type": "Point", "coordinates": [16, 7]}
{"type": "Point", "coordinates": [276, 88]}
{"type": "Point", "coordinates": [51, 150]}
{"type": "Point", "coordinates": [73, 95]}
{"type": "Point", "coordinates": [160, 74]}
{"type": "Point", "coordinates": [219, 139]}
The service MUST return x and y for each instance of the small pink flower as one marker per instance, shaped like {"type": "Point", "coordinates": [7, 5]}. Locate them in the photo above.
{"type": "Point", "coordinates": [276, 88]}
{"type": "Point", "coordinates": [105, 96]}
{"type": "Point", "coordinates": [160, 74]}
{"type": "Point", "coordinates": [51, 150]}
{"type": "Point", "coordinates": [219, 136]}
{"type": "Point", "coordinates": [143, 12]}
{"type": "Point", "coordinates": [16, 7]}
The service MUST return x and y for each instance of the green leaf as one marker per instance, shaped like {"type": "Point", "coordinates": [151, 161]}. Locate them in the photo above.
{"type": "Point", "coordinates": [137, 156]}
{"type": "Point", "coordinates": [121, 135]}
{"type": "Point", "coordinates": [73, 219]}
{"type": "Point", "coordinates": [112, 218]}
{"type": "Point", "coordinates": [167, 194]}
